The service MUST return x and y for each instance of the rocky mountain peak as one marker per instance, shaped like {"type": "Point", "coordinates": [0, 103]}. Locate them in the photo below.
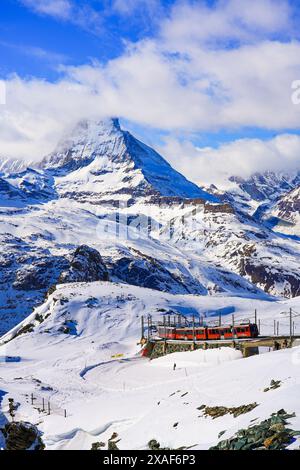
{"type": "Point", "coordinates": [99, 157]}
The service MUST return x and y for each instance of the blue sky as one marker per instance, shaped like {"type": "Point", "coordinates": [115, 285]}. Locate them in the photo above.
{"type": "Point", "coordinates": [25, 30]}
{"type": "Point", "coordinates": [203, 73]}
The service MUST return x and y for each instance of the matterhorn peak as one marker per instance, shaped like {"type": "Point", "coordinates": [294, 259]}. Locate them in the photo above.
{"type": "Point", "coordinates": [98, 157]}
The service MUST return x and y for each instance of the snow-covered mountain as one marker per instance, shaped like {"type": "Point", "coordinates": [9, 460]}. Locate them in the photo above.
{"type": "Point", "coordinates": [99, 162]}
{"type": "Point", "coordinates": [104, 190]}
{"type": "Point", "coordinates": [11, 165]}
{"type": "Point", "coordinates": [285, 213]}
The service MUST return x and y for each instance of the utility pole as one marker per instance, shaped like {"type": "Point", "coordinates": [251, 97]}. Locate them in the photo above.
{"type": "Point", "coordinates": [142, 327]}
{"type": "Point", "coordinates": [194, 328]}
{"type": "Point", "coordinates": [148, 325]}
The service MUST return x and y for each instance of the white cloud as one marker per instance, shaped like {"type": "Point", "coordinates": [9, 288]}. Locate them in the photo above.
{"type": "Point", "coordinates": [57, 8]}
{"type": "Point", "coordinates": [191, 23]}
{"type": "Point", "coordinates": [82, 15]}
{"type": "Point", "coordinates": [242, 158]}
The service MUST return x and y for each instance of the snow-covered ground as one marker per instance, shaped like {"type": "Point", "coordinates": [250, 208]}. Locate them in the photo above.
{"type": "Point", "coordinates": [68, 359]}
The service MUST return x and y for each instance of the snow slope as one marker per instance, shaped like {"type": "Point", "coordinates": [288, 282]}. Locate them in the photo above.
{"type": "Point", "coordinates": [138, 399]}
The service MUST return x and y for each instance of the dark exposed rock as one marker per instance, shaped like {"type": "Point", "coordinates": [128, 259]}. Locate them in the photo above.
{"type": "Point", "coordinates": [86, 265]}
{"type": "Point", "coordinates": [97, 445]}
{"type": "Point", "coordinates": [218, 411]}
{"type": "Point", "coordinates": [219, 208]}
{"type": "Point", "coordinates": [270, 434]}
{"type": "Point", "coordinates": [273, 385]}
{"type": "Point", "coordinates": [22, 436]}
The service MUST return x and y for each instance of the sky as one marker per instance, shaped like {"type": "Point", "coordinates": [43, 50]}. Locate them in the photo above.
{"type": "Point", "coordinates": [207, 83]}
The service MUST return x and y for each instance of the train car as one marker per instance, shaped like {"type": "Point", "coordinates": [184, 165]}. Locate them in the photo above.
{"type": "Point", "coordinates": [208, 333]}
{"type": "Point", "coordinates": [246, 331]}
{"type": "Point", "coordinates": [219, 332]}
{"type": "Point", "coordinates": [190, 334]}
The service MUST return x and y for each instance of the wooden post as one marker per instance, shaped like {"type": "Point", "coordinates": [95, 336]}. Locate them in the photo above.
{"type": "Point", "coordinates": [65, 413]}
{"type": "Point", "coordinates": [259, 326]}
{"type": "Point", "coordinates": [49, 408]}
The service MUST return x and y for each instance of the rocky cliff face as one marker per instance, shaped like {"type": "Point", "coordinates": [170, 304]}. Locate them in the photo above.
{"type": "Point", "coordinates": [86, 265]}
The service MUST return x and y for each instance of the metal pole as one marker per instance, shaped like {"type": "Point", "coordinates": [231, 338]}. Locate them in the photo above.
{"type": "Point", "coordinates": [232, 321]}
{"type": "Point", "coordinates": [49, 408]}
{"type": "Point", "coordinates": [274, 327]}
{"type": "Point", "coordinates": [220, 319]}
{"type": "Point", "coordinates": [32, 398]}
{"type": "Point", "coordinates": [142, 326]}
{"type": "Point", "coordinates": [291, 326]}
{"type": "Point", "coordinates": [278, 328]}
{"type": "Point", "coordinates": [148, 325]}
{"type": "Point", "coordinates": [43, 404]}
{"type": "Point", "coordinates": [259, 326]}
{"type": "Point", "coordinates": [255, 317]}
{"type": "Point", "coordinates": [65, 413]}
{"type": "Point", "coordinates": [194, 328]}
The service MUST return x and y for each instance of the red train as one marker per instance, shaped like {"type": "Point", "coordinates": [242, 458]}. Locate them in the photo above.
{"type": "Point", "coordinates": [208, 333]}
